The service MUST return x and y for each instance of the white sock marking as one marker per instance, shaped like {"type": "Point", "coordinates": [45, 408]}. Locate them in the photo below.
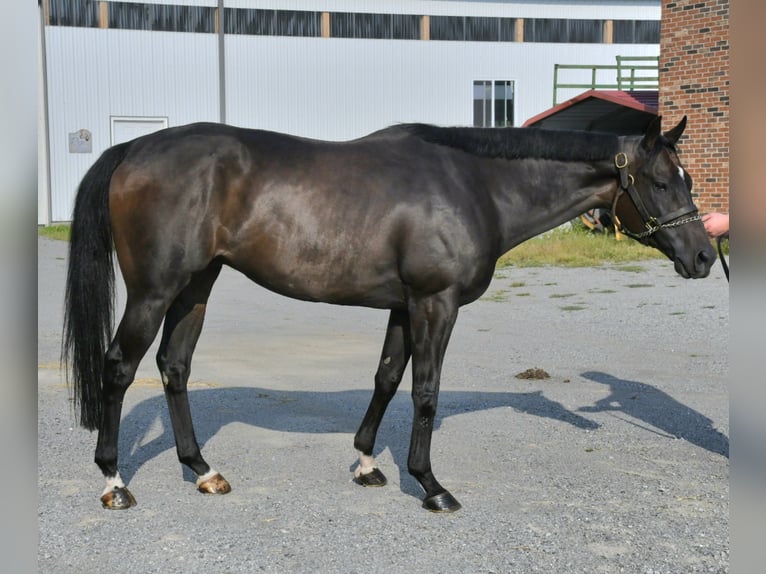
{"type": "Point", "coordinates": [366, 465]}
{"type": "Point", "coordinates": [112, 483]}
{"type": "Point", "coordinates": [207, 476]}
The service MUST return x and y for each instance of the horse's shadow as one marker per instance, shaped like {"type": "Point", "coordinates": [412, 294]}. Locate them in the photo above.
{"type": "Point", "coordinates": [312, 412]}
{"type": "Point", "coordinates": [316, 412]}
{"type": "Point", "coordinates": [658, 409]}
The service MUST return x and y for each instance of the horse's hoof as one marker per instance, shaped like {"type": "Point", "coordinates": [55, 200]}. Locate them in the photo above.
{"type": "Point", "coordinates": [119, 498]}
{"type": "Point", "coordinates": [443, 502]}
{"type": "Point", "coordinates": [216, 484]}
{"type": "Point", "coordinates": [374, 478]}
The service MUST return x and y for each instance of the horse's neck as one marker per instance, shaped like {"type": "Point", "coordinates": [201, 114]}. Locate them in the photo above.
{"type": "Point", "coordinates": [566, 191]}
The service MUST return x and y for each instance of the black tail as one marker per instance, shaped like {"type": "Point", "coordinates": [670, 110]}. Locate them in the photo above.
{"type": "Point", "coordinates": [89, 297]}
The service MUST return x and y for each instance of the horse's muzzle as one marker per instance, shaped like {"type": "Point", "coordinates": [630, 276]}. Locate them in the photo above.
{"type": "Point", "coordinates": [699, 267]}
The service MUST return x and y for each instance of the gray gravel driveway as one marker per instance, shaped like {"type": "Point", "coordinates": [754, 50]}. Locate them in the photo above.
{"type": "Point", "coordinates": [618, 462]}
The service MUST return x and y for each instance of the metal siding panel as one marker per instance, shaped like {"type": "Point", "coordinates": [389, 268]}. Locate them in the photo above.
{"type": "Point", "coordinates": [341, 89]}
{"type": "Point", "coordinates": [336, 89]}
{"type": "Point", "coordinates": [94, 74]}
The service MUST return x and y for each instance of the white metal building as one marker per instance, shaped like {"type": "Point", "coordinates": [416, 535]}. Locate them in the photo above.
{"type": "Point", "coordinates": [330, 69]}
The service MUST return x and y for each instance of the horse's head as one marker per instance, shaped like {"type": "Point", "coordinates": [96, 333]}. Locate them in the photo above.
{"type": "Point", "coordinates": [654, 203]}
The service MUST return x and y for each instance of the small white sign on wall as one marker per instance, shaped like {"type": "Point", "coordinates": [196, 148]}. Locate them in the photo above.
{"type": "Point", "coordinates": [81, 141]}
{"type": "Point", "coordinates": [126, 128]}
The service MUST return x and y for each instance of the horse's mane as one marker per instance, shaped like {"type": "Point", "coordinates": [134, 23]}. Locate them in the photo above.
{"type": "Point", "coordinates": [520, 143]}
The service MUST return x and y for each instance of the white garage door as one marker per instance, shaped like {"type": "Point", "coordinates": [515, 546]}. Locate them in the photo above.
{"type": "Point", "coordinates": [126, 128]}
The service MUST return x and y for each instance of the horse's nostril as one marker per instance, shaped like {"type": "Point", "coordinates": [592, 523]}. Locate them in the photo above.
{"type": "Point", "coordinates": [705, 258]}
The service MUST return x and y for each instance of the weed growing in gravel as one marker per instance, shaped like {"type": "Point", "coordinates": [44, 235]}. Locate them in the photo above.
{"type": "Point", "coordinates": [630, 268]}
{"type": "Point", "coordinates": [573, 307]}
{"type": "Point", "coordinates": [496, 296]}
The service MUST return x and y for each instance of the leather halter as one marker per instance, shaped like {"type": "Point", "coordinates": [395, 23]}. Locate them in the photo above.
{"type": "Point", "coordinates": [652, 224]}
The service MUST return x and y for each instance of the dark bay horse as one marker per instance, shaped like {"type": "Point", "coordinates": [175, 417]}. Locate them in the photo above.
{"type": "Point", "coordinates": [411, 218]}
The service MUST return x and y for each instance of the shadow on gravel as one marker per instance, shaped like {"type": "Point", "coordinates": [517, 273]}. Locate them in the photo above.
{"type": "Point", "coordinates": [658, 409]}
{"type": "Point", "coordinates": [313, 413]}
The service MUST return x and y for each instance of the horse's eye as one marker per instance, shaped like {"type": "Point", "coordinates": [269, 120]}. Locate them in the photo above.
{"type": "Point", "coordinates": [659, 186]}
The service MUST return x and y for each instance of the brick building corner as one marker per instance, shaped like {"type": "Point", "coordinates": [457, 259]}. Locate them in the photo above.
{"type": "Point", "coordinates": [694, 81]}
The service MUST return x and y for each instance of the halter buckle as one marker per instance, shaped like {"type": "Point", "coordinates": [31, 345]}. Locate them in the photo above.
{"type": "Point", "coordinates": [621, 160]}
{"type": "Point", "coordinates": [652, 225]}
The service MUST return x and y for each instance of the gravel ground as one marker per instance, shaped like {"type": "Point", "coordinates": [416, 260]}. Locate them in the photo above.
{"type": "Point", "coordinates": [618, 462]}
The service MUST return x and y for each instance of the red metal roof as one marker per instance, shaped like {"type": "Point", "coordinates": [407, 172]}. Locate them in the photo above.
{"type": "Point", "coordinates": [613, 111]}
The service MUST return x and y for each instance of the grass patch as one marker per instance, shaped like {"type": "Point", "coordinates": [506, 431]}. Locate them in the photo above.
{"type": "Point", "coordinates": [575, 247]}
{"type": "Point", "coordinates": [497, 296]}
{"type": "Point", "coordinates": [562, 295]}
{"type": "Point", "coordinates": [572, 307]}
{"type": "Point", "coordinates": [630, 268]}
{"type": "Point", "coordinates": [58, 232]}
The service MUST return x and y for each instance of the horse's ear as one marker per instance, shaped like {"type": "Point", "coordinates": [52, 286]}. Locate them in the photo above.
{"type": "Point", "coordinates": [652, 133]}
{"type": "Point", "coordinates": [675, 134]}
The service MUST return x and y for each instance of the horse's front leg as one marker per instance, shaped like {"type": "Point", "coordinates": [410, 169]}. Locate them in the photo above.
{"type": "Point", "coordinates": [431, 322]}
{"type": "Point", "coordinates": [393, 361]}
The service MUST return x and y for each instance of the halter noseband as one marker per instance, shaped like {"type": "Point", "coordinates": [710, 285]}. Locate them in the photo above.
{"type": "Point", "coordinates": [653, 224]}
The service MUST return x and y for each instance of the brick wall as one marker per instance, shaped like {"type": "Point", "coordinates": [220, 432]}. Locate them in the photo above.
{"type": "Point", "coordinates": [694, 81]}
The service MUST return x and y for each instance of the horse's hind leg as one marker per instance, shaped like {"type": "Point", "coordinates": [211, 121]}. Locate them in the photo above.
{"type": "Point", "coordinates": [393, 361]}
{"type": "Point", "coordinates": [183, 325]}
{"type": "Point", "coordinates": [137, 329]}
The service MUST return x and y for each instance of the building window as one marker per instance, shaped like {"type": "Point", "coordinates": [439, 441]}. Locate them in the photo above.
{"type": "Point", "coordinates": [297, 23]}
{"type": "Point", "coordinates": [271, 22]}
{"type": "Point", "coordinates": [493, 103]}
{"type": "Point", "coordinates": [160, 17]}
{"type": "Point", "coordinates": [562, 30]}
{"type": "Point", "coordinates": [447, 28]}
{"type": "Point", "coordinates": [374, 26]}
{"type": "Point", "coordinates": [472, 28]}
{"type": "Point", "coordinates": [405, 27]}
{"type": "Point", "coordinates": [636, 32]}
{"type": "Point", "coordinates": [68, 13]}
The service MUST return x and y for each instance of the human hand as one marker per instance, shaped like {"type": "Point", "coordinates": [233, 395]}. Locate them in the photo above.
{"type": "Point", "coordinates": [716, 224]}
